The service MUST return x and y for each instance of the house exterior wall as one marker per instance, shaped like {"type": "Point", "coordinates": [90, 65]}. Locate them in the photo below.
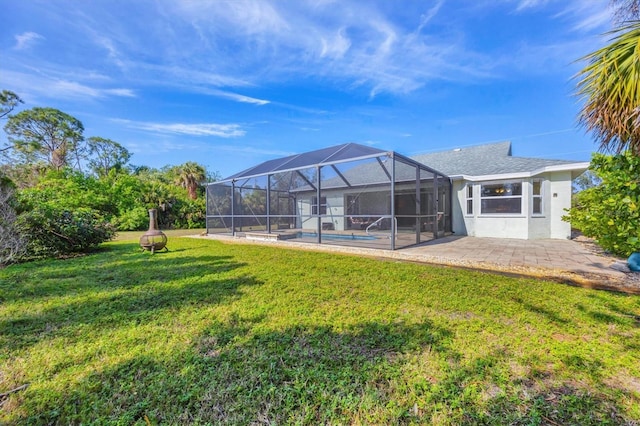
{"type": "Point", "coordinates": [560, 200]}
{"type": "Point", "coordinates": [489, 225]}
{"type": "Point", "coordinates": [462, 224]}
{"type": "Point", "coordinates": [335, 210]}
{"type": "Point", "coordinates": [555, 196]}
{"type": "Point", "coordinates": [539, 224]}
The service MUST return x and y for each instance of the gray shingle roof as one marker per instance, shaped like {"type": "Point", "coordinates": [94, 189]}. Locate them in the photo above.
{"type": "Point", "coordinates": [481, 160]}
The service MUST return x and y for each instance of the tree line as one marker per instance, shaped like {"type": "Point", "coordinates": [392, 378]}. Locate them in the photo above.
{"type": "Point", "coordinates": [62, 192]}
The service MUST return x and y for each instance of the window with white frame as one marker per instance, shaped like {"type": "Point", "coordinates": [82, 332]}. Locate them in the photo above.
{"type": "Point", "coordinates": [323, 205]}
{"type": "Point", "coordinates": [536, 193]}
{"type": "Point", "coordinates": [469, 199]}
{"type": "Point", "coordinates": [501, 198]}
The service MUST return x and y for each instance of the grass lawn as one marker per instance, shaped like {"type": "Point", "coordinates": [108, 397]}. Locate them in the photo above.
{"type": "Point", "coordinates": [240, 334]}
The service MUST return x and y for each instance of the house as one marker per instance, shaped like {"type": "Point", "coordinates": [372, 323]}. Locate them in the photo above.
{"type": "Point", "coordinates": [358, 195]}
{"type": "Point", "coordinates": [499, 195]}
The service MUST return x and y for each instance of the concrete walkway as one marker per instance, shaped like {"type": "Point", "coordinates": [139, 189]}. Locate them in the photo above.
{"type": "Point", "coordinates": [562, 260]}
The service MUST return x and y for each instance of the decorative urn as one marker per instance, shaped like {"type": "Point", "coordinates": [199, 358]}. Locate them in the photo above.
{"type": "Point", "coordinates": [154, 239]}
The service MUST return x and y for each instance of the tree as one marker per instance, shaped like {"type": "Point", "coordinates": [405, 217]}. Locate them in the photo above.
{"type": "Point", "coordinates": [586, 180]}
{"type": "Point", "coordinates": [189, 176]}
{"type": "Point", "coordinates": [611, 93]}
{"type": "Point", "coordinates": [105, 154]}
{"type": "Point", "coordinates": [45, 134]}
{"type": "Point", "coordinates": [8, 102]}
{"type": "Point", "coordinates": [12, 242]}
{"type": "Point", "coordinates": [610, 211]}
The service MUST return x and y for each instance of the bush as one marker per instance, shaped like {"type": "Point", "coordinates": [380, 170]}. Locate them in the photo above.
{"type": "Point", "coordinates": [135, 219]}
{"type": "Point", "coordinates": [189, 214]}
{"type": "Point", "coordinates": [609, 212]}
{"type": "Point", "coordinates": [53, 231]}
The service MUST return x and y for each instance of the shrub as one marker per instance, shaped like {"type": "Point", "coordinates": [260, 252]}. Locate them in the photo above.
{"type": "Point", "coordinates": [189, 214]}
{"type": "Point", "coordinates": [609, 212]}
{"type": "Point", "coordinates": [53, 231]}
{"type": "Point", "coordinates": [132, 220]}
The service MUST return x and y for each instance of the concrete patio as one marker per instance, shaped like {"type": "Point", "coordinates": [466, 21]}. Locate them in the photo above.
{"type": "Point", "coordinates": [564, 255]}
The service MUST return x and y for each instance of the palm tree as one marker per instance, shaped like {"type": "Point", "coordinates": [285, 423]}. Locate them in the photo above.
{"type": "Point", "coordinates": [189, 176]}
{"type": "Point", "coordinates": [610, 88]}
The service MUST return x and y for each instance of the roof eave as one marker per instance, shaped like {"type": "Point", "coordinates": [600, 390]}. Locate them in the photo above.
{"type": "Point", "coordinates": [575, 168]}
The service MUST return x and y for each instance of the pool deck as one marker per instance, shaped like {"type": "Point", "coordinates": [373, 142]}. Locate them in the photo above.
{"type": "Point", "coordinates": [569, 261]}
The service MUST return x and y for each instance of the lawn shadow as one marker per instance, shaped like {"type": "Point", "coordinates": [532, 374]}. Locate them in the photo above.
{"type": "Point", "coordinates": [116, 292]}
{"type": "Point", "coordinates": [121, 266]}
{"type": "Point", "coordinates": [616, 314]}
{"type": "Point", "coordinates": [234, 374]}
{"type": "Point", "coordinates": [237, 373]}
{"type": "Point", "coordinates": [548, 314]}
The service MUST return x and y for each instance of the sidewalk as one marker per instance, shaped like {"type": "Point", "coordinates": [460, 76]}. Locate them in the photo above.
{"type": "Point", "coordinates": [567, 261]}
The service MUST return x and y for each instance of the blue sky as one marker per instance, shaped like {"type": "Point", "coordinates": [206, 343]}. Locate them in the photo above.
{"type": "Point", "coordinates": [231, 83]}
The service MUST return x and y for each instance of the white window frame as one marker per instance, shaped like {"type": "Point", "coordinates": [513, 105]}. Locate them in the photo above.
{"type": "Point", "coordinates": [468, 198]}
{"type": "Point", "coordinates": [502, 182]}
{"type": "Point", "coordinates": [539, 196]}
{"type": "Point", "coordinates": [318, 210]}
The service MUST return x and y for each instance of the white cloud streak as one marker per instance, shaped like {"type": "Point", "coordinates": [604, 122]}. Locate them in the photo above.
{"type": "Point", "coordinates": [235, 97]}
{"type": "Point", "coordinates": [199, 129]}
{"type": "Point", "coordinates": [41, 84]}
{"type": "Point", "coordinates": [255, 151]}
{"type": "Point", "coordinates": [26, 40]}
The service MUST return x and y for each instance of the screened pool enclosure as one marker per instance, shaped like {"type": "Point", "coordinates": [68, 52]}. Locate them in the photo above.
{"type": "Point", "coordinates": [346, 195]}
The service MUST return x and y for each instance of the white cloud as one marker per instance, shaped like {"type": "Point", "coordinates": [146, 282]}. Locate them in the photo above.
{"type": "Point", "coordinates": [247, 16]}
{"type": "Point", "coordinates": [589, 16]}
{"type": "Point", "coordinates": [343, 42]}
{"type": "Point", "coordinates": [583, 15]}
{"type": "Point", "coordinates": [335, 46]}
{"type": "Point", "coordinates": [530, 4]}
{"type": "Point", "coordinates": [127, 93]}
{"type": "Point", "coordinates": [256, 151]}
{"type": "Point", "coordinates": [41, 84]}
{"type": "Point", "coordinates": [72, 89]}
{"type": "Point", "coordinates": [201, 129]}
{"type": "Point", "coordinates": [217, 45]}
{"type": "Point", "coordinates": [164, 74]}
{"type": "Point", "coordinates": [235, 97]}
{"type": "Point", "coordinates": [26, 40]}
{"type": "Point", "coordinates": [113, 52]}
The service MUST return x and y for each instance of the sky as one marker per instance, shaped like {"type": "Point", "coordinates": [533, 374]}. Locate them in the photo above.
{"type": "Point", "coordinates": [232, 83]}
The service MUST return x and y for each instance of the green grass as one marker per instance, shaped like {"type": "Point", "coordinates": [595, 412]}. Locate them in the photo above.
{"type": "Point", "coordinates": [241, 334]}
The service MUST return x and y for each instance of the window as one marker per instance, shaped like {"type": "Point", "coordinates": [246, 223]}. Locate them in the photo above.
{"type": "Point", "coordinates": [469, 198]}
{"type": "Point", "coordinates": [537, 196]}
{"type": "Point", "coordinates": [323, 205]}
{"type": "Point", "coordinates": [501, 198]}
